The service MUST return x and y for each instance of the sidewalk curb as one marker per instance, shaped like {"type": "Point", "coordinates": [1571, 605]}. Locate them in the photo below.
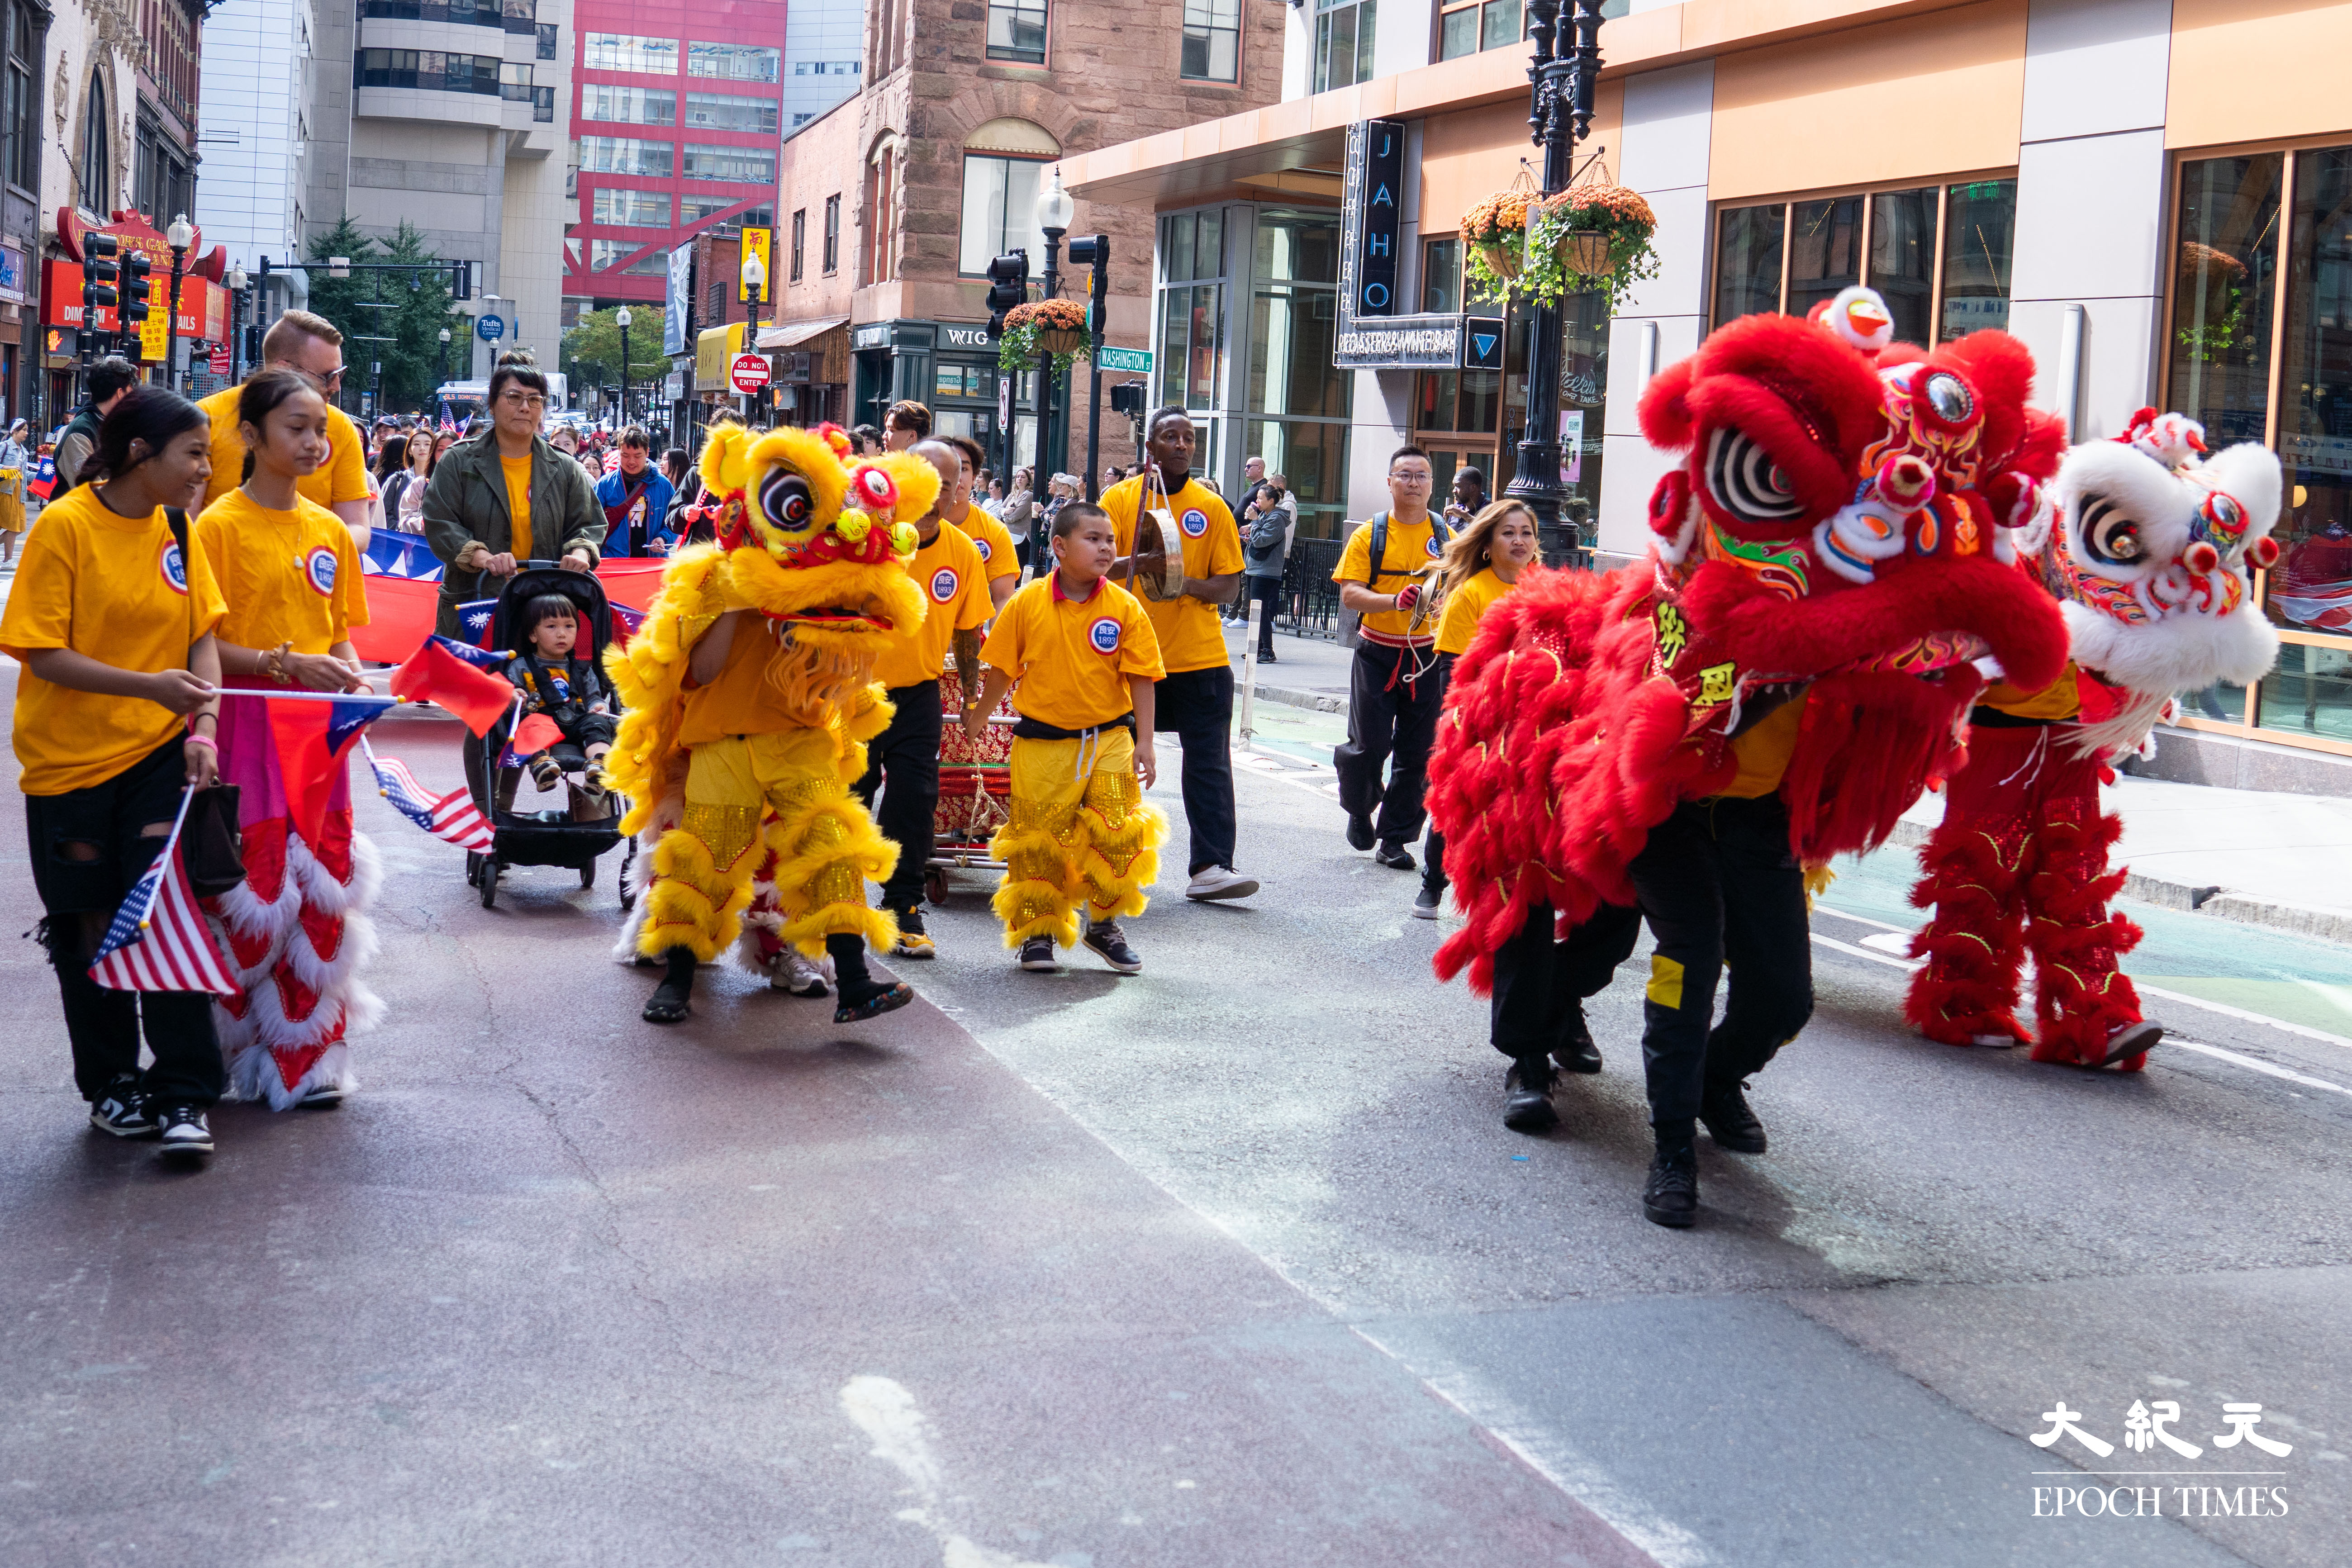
{"type": "Point", "coordinates": [2221, 903]}
{"type": "Point", "coordinates": [1289, 697]}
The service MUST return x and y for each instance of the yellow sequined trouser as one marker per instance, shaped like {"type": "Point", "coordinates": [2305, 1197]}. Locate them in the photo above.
{"type": "Point", "coordinates": [1079, 833]}
{"type": "Point", "coordinates": [824, 844]}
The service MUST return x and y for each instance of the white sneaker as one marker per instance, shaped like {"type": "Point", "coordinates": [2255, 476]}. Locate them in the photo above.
{"type": "Point", "coordinates": [186, 1133]}
{"type": "Point", "coordinates": [801, 976]}
{"type": "Point", "coordinates": [1220, 882]}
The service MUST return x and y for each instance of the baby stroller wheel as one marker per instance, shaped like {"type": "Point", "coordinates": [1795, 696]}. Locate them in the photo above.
{"type": "Point", "coordinates": [588, 875]}
{"type": "Point", "coordinates": [489, 881]}
{"type": "Point", "coordinates": [473, 867]}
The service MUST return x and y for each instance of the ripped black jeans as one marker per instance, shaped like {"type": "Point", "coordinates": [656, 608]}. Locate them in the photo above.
{"type": "Point", "coordinates": [89, 847]}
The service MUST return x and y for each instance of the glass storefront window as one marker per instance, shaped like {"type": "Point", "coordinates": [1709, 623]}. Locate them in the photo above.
{"type": "Point", "coordinates": [1297, 248]}
{"type": "Point", "coordinates": [2311, 587]}
{"type": "Point", "coordinates": [1293, 335]}
{"type": "Point", "coordinates": [1747, 260]}
{"type": "Point", "coordinates": [2224, 272]}
{"type": "Point", "coordinates": [1191, 246]}
{"type": "Point", "coordinates": [1903, 258]}
{"type": "Point", "coordinates": [1312, 456]}
{"type": "Point", "coordinates": [1824, 251]}
{"type": "Point", "coordinates": [1980, 237]}
{"type": "Point", "coordinates": [1440, 277]}
{"type": "Point", "coordinates": [1192, 345]}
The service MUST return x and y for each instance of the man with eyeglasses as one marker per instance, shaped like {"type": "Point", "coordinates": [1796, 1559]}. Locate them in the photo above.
{"type": "Point", "coordinates": [313, 345]}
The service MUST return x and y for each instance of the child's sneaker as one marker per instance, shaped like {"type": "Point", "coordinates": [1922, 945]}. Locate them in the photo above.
{"type": "Point", "coordinates": [1037, 953]}
{"type": "Point", "coordinates": [1110, 944]}
{"type": "Point", "coordinates": [544, 773]}
{"type": "Point", "coordinates": [123, 1110]}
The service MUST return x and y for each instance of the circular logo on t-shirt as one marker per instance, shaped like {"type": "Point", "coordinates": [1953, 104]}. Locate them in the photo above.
{"type": "Point", "coordinates": [943, 585]}
{"type": "Point", "coordinates": [1104, 635]}
{"type": "Point", "coordinates": [175, 567]}
{"type": "Point", "coordinates": [981, 545]}
{"type": "Point", "coordinates": [1434, 548]}
{"type": "Point", "coordinates": [319, 570]}
{"type": "Point", "coordinates": [1195, 523]}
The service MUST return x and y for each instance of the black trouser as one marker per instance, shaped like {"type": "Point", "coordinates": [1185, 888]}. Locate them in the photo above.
{"type": "Point", "coordinates": [1198, 704]}
{"type": "Point", "coordinates": [1720, 888]}
{"type": "Point", "coordinates": [908, 755]}
{"type": "Point", "coordinates": [1432, 850]}
{"type": "Point", "coordinates": [1541, 983]}
{"type": "Point", "coordinates": [1266, 592]}
{"type": "Point", "coordinates": [1391, 720]}
{"type": "Point", "coordinates": [89, 847]}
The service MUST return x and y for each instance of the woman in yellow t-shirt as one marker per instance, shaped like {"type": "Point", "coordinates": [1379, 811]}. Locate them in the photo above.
{"type": "Point", "coordinates": [1478, 567]}
{"type": "Point", "coordinates": [113, 615]}
{"type": "Point", "coordinates": [291, 585]}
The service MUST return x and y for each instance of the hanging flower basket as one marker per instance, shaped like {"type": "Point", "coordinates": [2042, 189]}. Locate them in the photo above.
{"type": "Point", "coordinates": [1588, 239]}
{"type": "Point", "coordinates": [1495, 236]}
{"type": "Point", "coordinates": [1053, 327]}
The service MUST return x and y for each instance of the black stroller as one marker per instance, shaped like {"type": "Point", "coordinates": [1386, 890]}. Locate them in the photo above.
{"type": "Point", "coordinates": [582, 829]}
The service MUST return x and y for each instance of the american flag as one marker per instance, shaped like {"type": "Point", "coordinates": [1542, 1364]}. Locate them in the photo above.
{"type": "Point", "coordinates": [453, 816]}
{"type": "Point", "coordinates": [159, 940]}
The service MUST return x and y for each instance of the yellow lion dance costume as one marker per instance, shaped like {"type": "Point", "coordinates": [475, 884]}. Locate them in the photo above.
{"type": "Point", "coordinates": [743, 758]}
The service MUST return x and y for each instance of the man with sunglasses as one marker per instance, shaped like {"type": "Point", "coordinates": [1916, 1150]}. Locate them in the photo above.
{"type": "Point", "coordinates": [313, 345]}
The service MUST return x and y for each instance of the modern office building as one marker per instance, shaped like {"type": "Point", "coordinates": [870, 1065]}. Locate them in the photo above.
{"type": "Point", "coordinates": [2155, 195]}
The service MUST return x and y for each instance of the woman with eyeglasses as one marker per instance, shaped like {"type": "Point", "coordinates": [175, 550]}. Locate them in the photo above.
{"type": "Point", "coordinates": [508, 498]}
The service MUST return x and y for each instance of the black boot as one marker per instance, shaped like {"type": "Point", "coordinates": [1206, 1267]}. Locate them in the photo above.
{"type": "Point", "coordinates": [1670, 1197]}
{"type": "Point", "coordinates": [1526, 1096]}
{"type": "Point", "coordinates": [1576, 1052]}
{"type": "Point", "coordinates": [862, 995]}
{"type": "Point", "coordinates": [1724, 1107]}
{"type": "Point", "coordinates": [672, 999]}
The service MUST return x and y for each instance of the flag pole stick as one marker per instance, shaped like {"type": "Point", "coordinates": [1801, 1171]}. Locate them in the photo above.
{"type": "Point", "coordinates": [170, 840]}
{"type": "Point", "coordinates": [377, 697]}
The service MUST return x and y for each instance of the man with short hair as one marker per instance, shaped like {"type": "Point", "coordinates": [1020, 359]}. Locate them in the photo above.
{"type": "Point", "coordinates": [1394, 688]}
{"type": "Point", "coordinates": [907, 422]}
{"type": "Point", "coordinates": [1195, 698]}
{"type": "Point", "coordinates": [636, 498]}
{"type": "Point", "coordinates": [110, 378]}
{"type": "Point", "coordinates": [902, 763]}
{"type": "Point", "coordinates": [986, 531]}
{"type": "Point", "coordinates": [298, 340]}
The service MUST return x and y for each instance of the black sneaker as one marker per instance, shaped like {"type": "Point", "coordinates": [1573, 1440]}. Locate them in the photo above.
{"type": "Point", "coordinates": [1670, 1197]}
{"type": "Point", "coordinates": [1576, 1052]}
{"type": "Point", "coordinates": [1037, 953]}
{"type": "Point", "coordinates": [1724, 1109]}
{"type": "Point", "coordinates": [1427, 903]}
{"type": "Point", "coordinates": [544, 773]}
{"type": "Point", "coordinates": [1527, 1097]}
{"type": "Point", "coordinates": [1110, 944]}
{"type": "Point", "coordinates": [123, 1109]}
{"type": "Point", "coordinates": [1265, 656]}
{"type": "Point", "coordinates": [1395, 856]}
{"type": "Point", "coordinates": [184, 1133]}
{"type": "Point", "coordinates": [1359, 830]}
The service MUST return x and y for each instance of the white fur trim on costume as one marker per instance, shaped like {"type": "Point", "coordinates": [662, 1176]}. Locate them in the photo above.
{"type": "Point", "coordinates": [318, 884]}
{"type": "Point", "coordinates": [666, 815]}
{"type": "Point", "coordinates": [2178, 653]}
{"type": "Point", "coordinates": [252, 1076]}
{"type": "Point", "coordinates": [242, 907]}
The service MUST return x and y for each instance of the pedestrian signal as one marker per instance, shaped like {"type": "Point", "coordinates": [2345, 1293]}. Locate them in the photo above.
{"type": "Point", "coordinates": [1008, 285]}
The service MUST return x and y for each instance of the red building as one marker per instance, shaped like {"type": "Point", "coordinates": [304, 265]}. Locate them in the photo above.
{"type": "Point", "coordinates": [677, 114]}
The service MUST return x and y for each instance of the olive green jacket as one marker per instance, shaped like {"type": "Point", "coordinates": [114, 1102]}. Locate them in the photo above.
{"type": "Point", "coordinates": [467, 500]}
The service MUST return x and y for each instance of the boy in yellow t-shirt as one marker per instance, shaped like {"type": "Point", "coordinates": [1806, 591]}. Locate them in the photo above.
{"type": "Point", "coordinates": [1086, 657]}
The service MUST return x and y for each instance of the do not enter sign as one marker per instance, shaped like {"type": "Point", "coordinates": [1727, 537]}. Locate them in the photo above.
{"type": "Point", "coordinates": [748, 374]}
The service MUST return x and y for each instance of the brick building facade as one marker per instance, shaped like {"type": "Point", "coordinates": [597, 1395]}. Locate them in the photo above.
{"type": "Point", "coordinates": [900, 195]}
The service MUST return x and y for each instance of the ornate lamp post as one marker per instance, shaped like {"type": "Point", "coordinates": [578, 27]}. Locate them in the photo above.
{"type": "Point", "coordinates": [621, 319]}
{"type": "Point", "coordinates": [441, 360]}
{"type": "Point", "coordinates": [1561, 115]}
{"type": "Point", "coordinates": [181, 237]}
{"type": "Point", "coordinates": [755, 286]}
{"type": "Point", "coordinates": [236, 281]}
{"type": "Point", "coordinates": [1055, 211]}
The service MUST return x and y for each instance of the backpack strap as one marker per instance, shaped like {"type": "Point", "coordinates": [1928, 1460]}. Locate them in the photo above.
{"type": "Point", "coordinates": [178, 519]}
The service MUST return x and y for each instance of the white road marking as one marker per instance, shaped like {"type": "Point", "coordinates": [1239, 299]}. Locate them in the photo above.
{"type": "Point", "coordinates": [886, 1412]}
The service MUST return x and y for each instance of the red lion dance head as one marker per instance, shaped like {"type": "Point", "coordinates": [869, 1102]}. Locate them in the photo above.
{"type": "Point", "coordinates": [1840, 523]}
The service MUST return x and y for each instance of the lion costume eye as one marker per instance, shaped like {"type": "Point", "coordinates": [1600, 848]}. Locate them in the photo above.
{"type": "Point", "coordinates": [1746, 482]}
{"type": "Point", "coordinates": [784, 501]}
{"type": "Point", "coordinates": [2110, 534]}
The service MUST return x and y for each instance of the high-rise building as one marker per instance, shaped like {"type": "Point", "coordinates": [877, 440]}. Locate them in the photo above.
{"type": "Point", "coordinates": [259, 111]}
{"type": "Point", "coordinates": [456, 130]}
{"type": "Point", "coordinates": [676, 121]}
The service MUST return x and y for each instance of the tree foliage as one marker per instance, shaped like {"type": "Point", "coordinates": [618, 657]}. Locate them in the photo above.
{"type": "Point", "coordinates": [592, 353]}
{"type": "Point", "coordinates": [393, 319]}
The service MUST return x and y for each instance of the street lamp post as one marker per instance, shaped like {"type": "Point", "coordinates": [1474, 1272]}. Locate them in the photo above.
{"type": "Point", "coordinates": [1561, 114]}
{"type": "Point", "coordinates": [441, 361]}
{"type": "Point", "coordinates": [755, 287]}
{"type": "Point", "coordinates": [181, 237]}
{"type": "Point", "coordinates": [235, 281]}
{"type": "Point", "coordinates": [621, 319]}
{"type": "Point", "coordinates": [1055, 211]}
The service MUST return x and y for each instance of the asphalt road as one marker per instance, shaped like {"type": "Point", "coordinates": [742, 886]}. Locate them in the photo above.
{"type": "Point", "coordinates": [1232, 1262]}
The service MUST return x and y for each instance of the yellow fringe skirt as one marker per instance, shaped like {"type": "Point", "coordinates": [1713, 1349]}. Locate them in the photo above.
{"type": "Point", "coordinates": [1079, 834]}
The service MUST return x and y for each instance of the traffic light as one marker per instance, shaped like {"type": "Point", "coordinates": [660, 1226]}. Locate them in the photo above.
{"type": "Point", "coordinates": [1127, 397]}
{"type": "Point", "coordinates": [136, 266]}
{"type": "Point", "coordinates": [98, 273]}
{"type": "Point", "coordinates": [461, 280]}
{"type": "Point", "coordinates": [1093, 252]}
{"type": "Point", "coordinates": [1008, 285]}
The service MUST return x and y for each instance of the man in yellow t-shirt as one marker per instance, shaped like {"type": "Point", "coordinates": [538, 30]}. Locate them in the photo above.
{"type": "Point", "coordinates": [1079, 832]}
{"type": "Point", "coordinates": [905, 756]}
{"type": "Point", "coordinates": [314, 345]}
{"type": "Point", "coordinates": [1393, 690]}
{"type": "Point", "coordinates": [1196, 700]}
{"type": "Point", "coordinates": [993, 539]}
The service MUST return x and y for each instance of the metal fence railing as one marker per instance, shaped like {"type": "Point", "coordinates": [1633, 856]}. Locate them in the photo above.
{"type": "Point", "coordinates": [1310, 604]}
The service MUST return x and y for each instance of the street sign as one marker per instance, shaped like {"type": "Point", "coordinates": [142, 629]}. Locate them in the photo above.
{"type": "Point", "coordinates": [220, 359]}
{"type": "Point", "coordinates": [1137, 360]}
{"type": "Point", "coordinates": [1005, 402]}
{"type": "Point", "coordinates": [490, 329]}
{"type": "Point", "coordinates": [748, 374]}
{"type": "Point", "coordinates": [759, 242]}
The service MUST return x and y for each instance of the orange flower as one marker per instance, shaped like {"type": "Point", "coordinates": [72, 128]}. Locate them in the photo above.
{"type": "Point", "coordinates": [1068, 314]}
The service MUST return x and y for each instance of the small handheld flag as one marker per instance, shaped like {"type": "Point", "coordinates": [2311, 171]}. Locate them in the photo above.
{"type": "Point", "coordinates": [452, 816]}
{"type": "Point", "coordinates": [159, 940]}
{"type": "Point", "coordinates": [454, 675]}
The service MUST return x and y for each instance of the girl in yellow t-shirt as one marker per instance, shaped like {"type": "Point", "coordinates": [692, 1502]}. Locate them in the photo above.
{"type": "Point", "coordinates": [1479, 566]}
{"type": "Point", "coordinates": [289, 580]}
{"type": "Point", "coordinates": [113, 617]}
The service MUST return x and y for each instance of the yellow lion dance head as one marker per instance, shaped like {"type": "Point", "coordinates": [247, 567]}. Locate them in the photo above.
{"type": "Point", "coordinates": [818, 540]}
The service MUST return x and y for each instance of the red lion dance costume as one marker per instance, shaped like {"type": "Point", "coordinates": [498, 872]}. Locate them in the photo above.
{"type": "Point", "coordinates": [1837, 529]}
{"type": "Point", "coordinates": [2146, 547]}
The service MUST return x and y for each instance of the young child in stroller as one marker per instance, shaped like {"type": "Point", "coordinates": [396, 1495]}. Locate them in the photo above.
{"type": "Point", "coordinates": [571, 690]}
